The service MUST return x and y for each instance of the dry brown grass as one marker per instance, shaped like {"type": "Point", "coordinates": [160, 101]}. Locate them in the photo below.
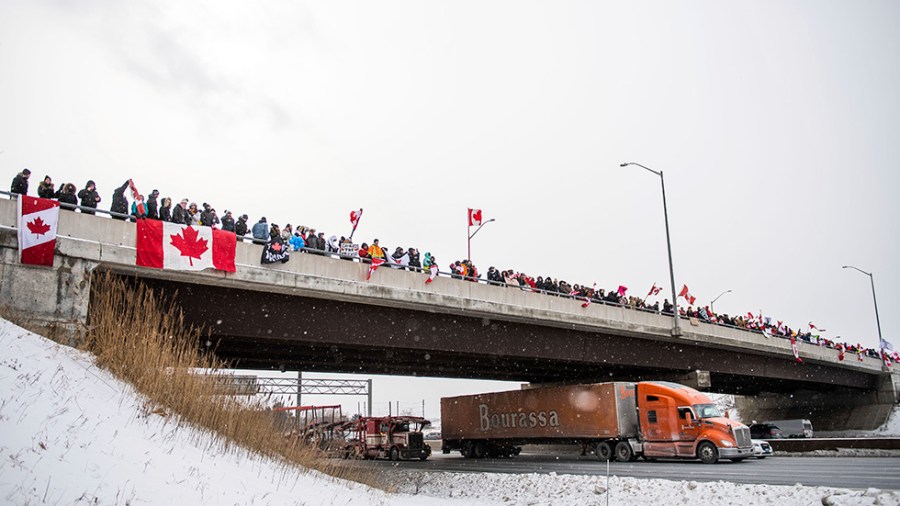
{"type": "Point", "coordinates": [147, 344]}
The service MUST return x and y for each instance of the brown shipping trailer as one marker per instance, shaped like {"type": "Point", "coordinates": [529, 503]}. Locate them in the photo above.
{"type": "Point", "coordinates": [650, 419]}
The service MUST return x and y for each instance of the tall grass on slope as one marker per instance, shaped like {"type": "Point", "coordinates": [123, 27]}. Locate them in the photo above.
{"type": "Point", "coordinates": [145, 342]}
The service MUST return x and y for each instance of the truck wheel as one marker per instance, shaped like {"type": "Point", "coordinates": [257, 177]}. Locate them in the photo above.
{"type": "Point", "coordinates": [603, 451]}
{"type": "Point", "coordinates": [395, 453]}
{"type": "Point", "coordinates": [741, 459]}
{"type": "Point", "coordinates": [466, 450]}
{"type": "Point", "coordinates": [707, 453]}
{"type": "Point", "coordinates": [478, 450]}
{"type": "Point", "coordinates": [624, 452]}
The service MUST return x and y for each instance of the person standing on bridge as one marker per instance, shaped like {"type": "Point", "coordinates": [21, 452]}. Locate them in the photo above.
{"type": "Point", "coordinates": [153, 205]}
{"type": "Point", "coordinates": [179, 214]}
{"type": "Point", "coordinates": [66, 196]}
{"type": "Point", "coordinates": [45, 188]}
{"type": "Point", "coordinates": [375, 251]}
{"type": "Point", "coordinates": [261, 230]}
{"type": "Point", "coordinates": [89, 197]}
{"type": "Point", "coordinates": [119, 203]}
{"type": "Point", "coordinates": [241, 228]}
{"type": "Point", "coordinates": [165, 210]}
{"type": "Point", "coordinates": [20, 182]}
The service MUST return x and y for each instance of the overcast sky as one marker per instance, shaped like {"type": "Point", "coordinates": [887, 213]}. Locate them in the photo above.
{"type": "Point", "coordinates": [775, 123]}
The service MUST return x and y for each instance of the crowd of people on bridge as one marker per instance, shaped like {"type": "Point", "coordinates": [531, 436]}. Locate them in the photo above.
{"type": "Point", "coordinates": [308, 240]}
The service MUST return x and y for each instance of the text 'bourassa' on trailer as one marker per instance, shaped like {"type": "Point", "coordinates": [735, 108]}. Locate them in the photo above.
{"type": "Point", "coordinates": [621, 420]}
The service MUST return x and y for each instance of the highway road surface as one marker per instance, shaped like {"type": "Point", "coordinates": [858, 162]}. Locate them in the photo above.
{"type": "Point", "coordinates": [843, 472]}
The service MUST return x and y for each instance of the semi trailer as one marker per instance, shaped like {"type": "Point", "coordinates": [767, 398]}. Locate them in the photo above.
{"type": "Point", "coordinates": [620, 420]}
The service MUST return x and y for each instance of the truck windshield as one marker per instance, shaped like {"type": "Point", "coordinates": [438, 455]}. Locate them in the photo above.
{"type": "Point", "coordinates": [708, 411]}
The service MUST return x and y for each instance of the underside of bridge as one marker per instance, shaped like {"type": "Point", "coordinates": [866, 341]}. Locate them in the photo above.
{"type": "Point", "coordinates": [259, 330]}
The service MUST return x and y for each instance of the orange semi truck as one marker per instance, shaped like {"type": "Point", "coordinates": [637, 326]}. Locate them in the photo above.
{"type": "Point", "coordinates": [621, 420]}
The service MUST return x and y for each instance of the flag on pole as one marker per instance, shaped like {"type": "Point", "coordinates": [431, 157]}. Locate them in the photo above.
{"type": "Point", "coordinates": [654, 290]}
{"type": "Point", "coordinates": [622, 290]}
{"type": "Point", "coordinates": [811, 326]}
{"type": "Point", "coordinates": [432, 274]}
{"type": "Point", "coordinates": [136, 195]}
{"type": "Point", "coordinates": [37, 229]}
{"type": "Point", "coordinates": [794, 349]}
{"type": "Point", "coordinates": [376, 263]}
{"type": "Point", "coordinates": [164, 245]}
{"type": "Point", "coordinates": [687, 295]}
{"type": "Point", "coordinates": [474, 217]}
{"type": "Point", "coordinates": [355, 216]}
{"type": "Point", "coordinates": [886, 346]}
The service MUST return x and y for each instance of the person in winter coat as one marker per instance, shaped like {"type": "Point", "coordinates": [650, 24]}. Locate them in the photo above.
{"type": "Point", "coordinates": [241, 228]}
{"type": "Point", "coordinates": [45, 188]}
{"type": "Point", "coordinates": [428, 262]}
{"type": "Point", "coordinates": [180, 213]}
{"type": "Point", "coordinates": [364, 253]}
{"type": "Point", "coordinates": [66, 196]}
{"type": "Point", "coordinates": [261, 230]}
{"type": "Point", "coordinates": [152, 205]}
{"type": "Point", "coordinates": [332, 245]}
{"type": "Point", "coordinates": [297, 242]}
{"type": "Point", "coordinates": [375, 251]}
{"type": "Point", "coordinates": [312, 242]}
{"type": "Point", "coordinates": [228, 222]}
{"type": "Point", "coordinates": [119, 202]}
{"type": "Point", "coordinates": [165, 210]}
{"type": "Point", "coordinates": [89, 197]}
{"type": "Point", "coordinates": [20, 182]}
{"type": "Point", "coordinates": [414, 258]}
{"type": "Point", "coordinates": [193, 215]}
{"type": "Point", "coordinates": [287, 233]}
{"type": "Point", "coordinates": [136, 211]}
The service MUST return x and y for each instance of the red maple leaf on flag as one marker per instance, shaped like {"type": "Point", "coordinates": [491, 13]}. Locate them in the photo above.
{"type": "Point", "coordinates": [38, 227]}
{"type": "Point", "coordinates": [276, 246]}
{"type": "Point", "coordinates": [189, 245]}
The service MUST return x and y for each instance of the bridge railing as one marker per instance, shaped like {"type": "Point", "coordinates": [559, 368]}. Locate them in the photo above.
{"type": "Point", "coordinates": [445, 274]}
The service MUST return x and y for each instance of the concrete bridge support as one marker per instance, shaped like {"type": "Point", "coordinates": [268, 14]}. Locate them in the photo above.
{"type": "Point", "coordinates": [50, 301]}
{"type": "Point", "coordinates": [843, 409]}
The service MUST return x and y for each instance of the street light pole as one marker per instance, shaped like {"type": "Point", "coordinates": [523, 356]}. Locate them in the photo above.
{"type": "Point", "coordinates": [676, 331]}
{"type": "Point", "coordinates": [874, 300]}
{"type": "Point", "coordinates": [469, 256]}
{"type": "Point", "coordinates": [712, 305]}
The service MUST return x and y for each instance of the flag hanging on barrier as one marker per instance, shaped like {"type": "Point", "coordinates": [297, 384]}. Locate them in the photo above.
{"type": "Point", "coordinates": [794, 349]}
{"type": "Point", "coordinates": [37, 230]}
{"type": "Point", "coordinates": [164, 245]}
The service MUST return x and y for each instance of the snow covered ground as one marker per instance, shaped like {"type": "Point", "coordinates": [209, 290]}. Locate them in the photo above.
{"type": "Point", "coordinates": [70, 433]}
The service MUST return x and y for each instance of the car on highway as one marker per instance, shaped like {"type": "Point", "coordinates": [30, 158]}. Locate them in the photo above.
{"type": "Point", "coordinates": [765, 431]}
{"type": "Point", "coordinates": [761, 449]}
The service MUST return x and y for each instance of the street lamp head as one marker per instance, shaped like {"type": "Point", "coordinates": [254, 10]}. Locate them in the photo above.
{"type": "Point", "coordinates": [845, 267]}
{"type": "Point", "coordinates": [623, 165]}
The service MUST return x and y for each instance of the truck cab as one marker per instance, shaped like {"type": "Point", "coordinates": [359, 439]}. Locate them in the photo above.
{"type": "Point", "coordinates": [390, 437]}
{"type": "Point", "coordinates": [675, 421]}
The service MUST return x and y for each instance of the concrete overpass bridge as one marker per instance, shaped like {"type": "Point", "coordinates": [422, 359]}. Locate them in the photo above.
{"type": "Point", "coordinates": [317, 313]}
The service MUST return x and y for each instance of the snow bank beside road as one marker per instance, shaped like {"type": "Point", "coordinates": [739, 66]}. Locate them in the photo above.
{"type": "Point", "coordinates": [71, 433]}
{"type": "Point", "coordinates": [569, 490]}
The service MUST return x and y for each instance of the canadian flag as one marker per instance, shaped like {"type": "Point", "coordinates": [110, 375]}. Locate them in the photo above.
{"type": "Point", "coordinates": [376, 263]}
{"type": "Point", "coordinates": [433, 274]}
{"type": "Point", "coordinates": [474, 217]}
{"type": "Point", "coordinates": [354, 217]}
{"type": "Point", "coordinates": [811, 327]}
{"type": "Point", "coordinates": [37, 230]}
{"type": "Point", "coordinates": [136, 195]}
{"type": "Point", "coordinates": [687, 295]}
{"type": "Point", "coordinates": [794, 349]}
{"type": "Point", "coordinates": [654, 290]}
{"type": "Point", "coordinates": [165, 245]}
